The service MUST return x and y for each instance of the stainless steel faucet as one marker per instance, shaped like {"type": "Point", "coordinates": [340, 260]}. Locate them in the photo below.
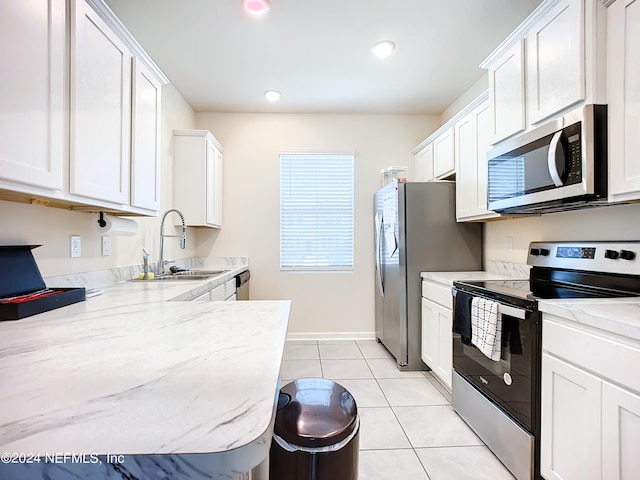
{"type": "Point", "coordinates": [183, 237]}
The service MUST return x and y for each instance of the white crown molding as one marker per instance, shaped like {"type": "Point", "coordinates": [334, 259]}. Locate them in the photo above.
{"type": "Point", "coordinates": [452, 121]}
{"type": "Point", "coordinates": [110, 18]}
{"type": "Point", "coordinates": [520, 32]}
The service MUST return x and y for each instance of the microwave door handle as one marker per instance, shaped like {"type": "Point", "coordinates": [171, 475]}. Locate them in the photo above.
{"type": "Point", "coordinates": [551, 159]}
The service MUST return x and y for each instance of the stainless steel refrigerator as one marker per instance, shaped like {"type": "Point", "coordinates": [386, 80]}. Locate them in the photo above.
{"type": "Point", "coordinates": [415, 231]}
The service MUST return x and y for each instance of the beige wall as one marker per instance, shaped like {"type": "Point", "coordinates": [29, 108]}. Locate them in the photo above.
{"type": "Point", "coordinates": [327, 302]}
{"type": "Point", "coordinates": [616, 222]}
{"type": "Point", "coordinates": [51, 227]}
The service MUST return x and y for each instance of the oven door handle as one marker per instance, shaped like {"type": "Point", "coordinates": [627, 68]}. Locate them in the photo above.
{"type": "Point", "coordinates": [511, 311]}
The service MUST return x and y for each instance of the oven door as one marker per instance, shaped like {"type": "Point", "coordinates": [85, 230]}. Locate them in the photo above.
{"type": "Point", "coordinates": [513, 381]}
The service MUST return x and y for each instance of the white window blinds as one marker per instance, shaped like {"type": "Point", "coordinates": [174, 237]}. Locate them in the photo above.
{"type": "Point", "coordinates": [316, 212]}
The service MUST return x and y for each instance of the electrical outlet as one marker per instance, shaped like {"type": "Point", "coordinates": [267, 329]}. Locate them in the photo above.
{"type": "Point", "coordinates": [76, 244]}
{"type": "Point", "coordinates": [106, 246]}
{"type": "Point", "coordinates": [508, 243]}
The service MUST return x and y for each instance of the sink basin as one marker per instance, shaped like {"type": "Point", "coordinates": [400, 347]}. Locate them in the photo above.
{"type": "Point", "coordinates": [186, 275]}
{"type": "Point", "coordinates": [197, 273]}
{"type": "Point", "coordinates": [173, 276]}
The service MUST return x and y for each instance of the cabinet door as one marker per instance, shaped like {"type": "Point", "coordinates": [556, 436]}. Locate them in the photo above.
{"type": "Point", "coordinates": [443, 371]}
{"type": "Point", "coordinates": [214, 186]}
{"type": "Point", "coordinates": [506, 93]}
{"type": "Point", "coordinates": [32, 92]}
{"type": "Point", "coordinates": [620, 433]}
{"type": "Point", "coordinates": [623, 90]}
{"type": "Point", "coordinates": [472, 134]}
{"type": "Point", "coordinates": [430, 334]}
{"type": "Point", "coordinates": [571, 427]}
{"type": "Point", "coordinates": [443, 155]}
{"type": "Point", "coordinates": [424, 164]}
{"type": "Point", "coordinates": [437, 340]}
{"type": "Point", "coordinates": [100, 108]}
{"type": "Point", "coordinates": [466, 167]}
{"type": "Point", "coordinates": [145, 138]}
{"type": "Point", "coordinates": [556, 60]}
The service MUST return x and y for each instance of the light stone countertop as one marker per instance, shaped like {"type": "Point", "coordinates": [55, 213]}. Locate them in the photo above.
{"type": "Point", "coordinates": [620, 316]}
{"type": "Point", "coordinates": [448, 278]}
{"type": "Point", "coordinates": [129, 372]}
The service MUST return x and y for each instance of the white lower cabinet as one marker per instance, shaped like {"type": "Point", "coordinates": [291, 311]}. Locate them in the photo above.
{"type": "Point", "coordinates": [620, 433]}
{"type": "Point", "coordinates": [590, 403]}
{"type": "Point", "coordinates": [437, 324]}
{"type": "Point", "coordinates": [571, 404]}
{"type": "Point", "coordinates": [221, 293]}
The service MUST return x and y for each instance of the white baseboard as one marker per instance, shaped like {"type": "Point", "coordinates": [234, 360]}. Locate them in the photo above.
{"type": "Point", "coordinates": [293, 336]}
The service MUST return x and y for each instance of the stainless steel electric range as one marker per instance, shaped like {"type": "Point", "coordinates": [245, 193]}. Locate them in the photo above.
{"type": "Point", "coordinates": [500, 399]}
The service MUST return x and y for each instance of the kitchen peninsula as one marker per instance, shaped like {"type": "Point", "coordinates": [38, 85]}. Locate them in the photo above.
{"type": "Point", "coordinates": [167, 389]}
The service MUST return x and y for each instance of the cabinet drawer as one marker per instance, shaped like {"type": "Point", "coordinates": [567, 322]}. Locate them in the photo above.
{"type": "Point", "coordinates": [438, 293]}
{"type": "Point", "coordinates": [601, 355]}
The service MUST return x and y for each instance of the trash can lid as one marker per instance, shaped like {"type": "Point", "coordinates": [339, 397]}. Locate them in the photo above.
{"type": "Point", "coordinates": [319, 413]}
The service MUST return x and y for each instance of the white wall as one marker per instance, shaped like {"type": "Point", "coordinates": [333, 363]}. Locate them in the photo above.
{"type": "Point", "coordinates": [616, 222]}
{"type": "Point", "coordinates": [51, 227]}
{"type": "Point", "coordinates": [327, 302]}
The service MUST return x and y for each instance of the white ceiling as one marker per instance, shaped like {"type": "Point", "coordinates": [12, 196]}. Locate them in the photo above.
{"type": "Point", "coordinates": [317, 52]}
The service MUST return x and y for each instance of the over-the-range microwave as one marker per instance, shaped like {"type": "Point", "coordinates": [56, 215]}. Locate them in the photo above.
{"type": "Point", "coordinates": [561, 165]}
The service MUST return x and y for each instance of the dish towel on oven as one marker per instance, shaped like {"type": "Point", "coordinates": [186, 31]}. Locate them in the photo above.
{"type": "Point", "coordinates": [486, 327]}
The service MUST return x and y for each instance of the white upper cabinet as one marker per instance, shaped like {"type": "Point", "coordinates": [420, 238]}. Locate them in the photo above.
{"type": "Point", "coordinates": [145, 138]}
{"type": "Point", "coordinates": [506, 87]}
{"type": "Point", "coordinates": [100, 109]}
{"type": "Point", "coordinates": [472, 133]}
{"type": "Point", "coordinates": [80, 109]}
{"type": "Point", "coordinates": [424, 164]}
{"type": "Point", "coordinates": [198, 177]}
{"type": "Point", "coordinates": [443, 155]}
{"type": "Point", "coordinates": [556, 60]}
{"type": "Point", "coordinates": [551, 63]}
{"type": "Point", "coordinates": [32, 93]}
{"type": "Point", "coordinates": [623, 85]}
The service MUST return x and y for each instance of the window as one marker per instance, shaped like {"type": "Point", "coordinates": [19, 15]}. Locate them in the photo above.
{"type": "Point", "coordinates": [316, 212]}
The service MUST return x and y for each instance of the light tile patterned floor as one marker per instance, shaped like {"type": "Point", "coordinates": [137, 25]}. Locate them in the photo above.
{"type": "Point", "coordinates": [408, 429]}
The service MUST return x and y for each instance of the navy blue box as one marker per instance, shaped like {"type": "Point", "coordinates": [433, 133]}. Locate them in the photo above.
{"type": "Point", "coordinates": [20, 277]}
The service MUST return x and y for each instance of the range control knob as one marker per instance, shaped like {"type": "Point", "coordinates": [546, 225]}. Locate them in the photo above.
{"type": "Point", "coordinates": [535, 251]}
{"type": "Point", "coordinates": [544, 252]}
{"type": "Point", "coordinates": [612, 254]}
{"type": "Point", "coordinates": [627, 255]}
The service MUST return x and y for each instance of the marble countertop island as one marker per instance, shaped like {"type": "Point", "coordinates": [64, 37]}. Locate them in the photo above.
{"type": "Point", "coordinates": [137, 386]}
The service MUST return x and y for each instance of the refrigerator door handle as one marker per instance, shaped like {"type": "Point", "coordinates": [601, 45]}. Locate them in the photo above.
{"type": "Point", "coordinates": [379, 282]}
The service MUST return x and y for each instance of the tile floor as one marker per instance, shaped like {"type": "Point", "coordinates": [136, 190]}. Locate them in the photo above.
{"type": "Point", "coordinates": [408, 430]}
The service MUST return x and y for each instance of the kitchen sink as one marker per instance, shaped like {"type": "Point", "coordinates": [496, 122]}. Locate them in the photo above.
{"type": "Point", "coordinates": [186, 275]}
{"type": "Point", "coordinates": [196, 273]}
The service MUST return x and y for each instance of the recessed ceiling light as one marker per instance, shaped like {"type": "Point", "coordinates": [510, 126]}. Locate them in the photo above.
{"type": "Point", "coordinates": [256, 7]}
{"type": "Point", "coordinates": [383, 48]}
{"type": "Point", "coordinates": [272, 95]}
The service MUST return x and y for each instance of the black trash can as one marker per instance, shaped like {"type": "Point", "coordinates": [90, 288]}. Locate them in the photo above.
{"type": "Point", "coordinates": [315, 436]}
